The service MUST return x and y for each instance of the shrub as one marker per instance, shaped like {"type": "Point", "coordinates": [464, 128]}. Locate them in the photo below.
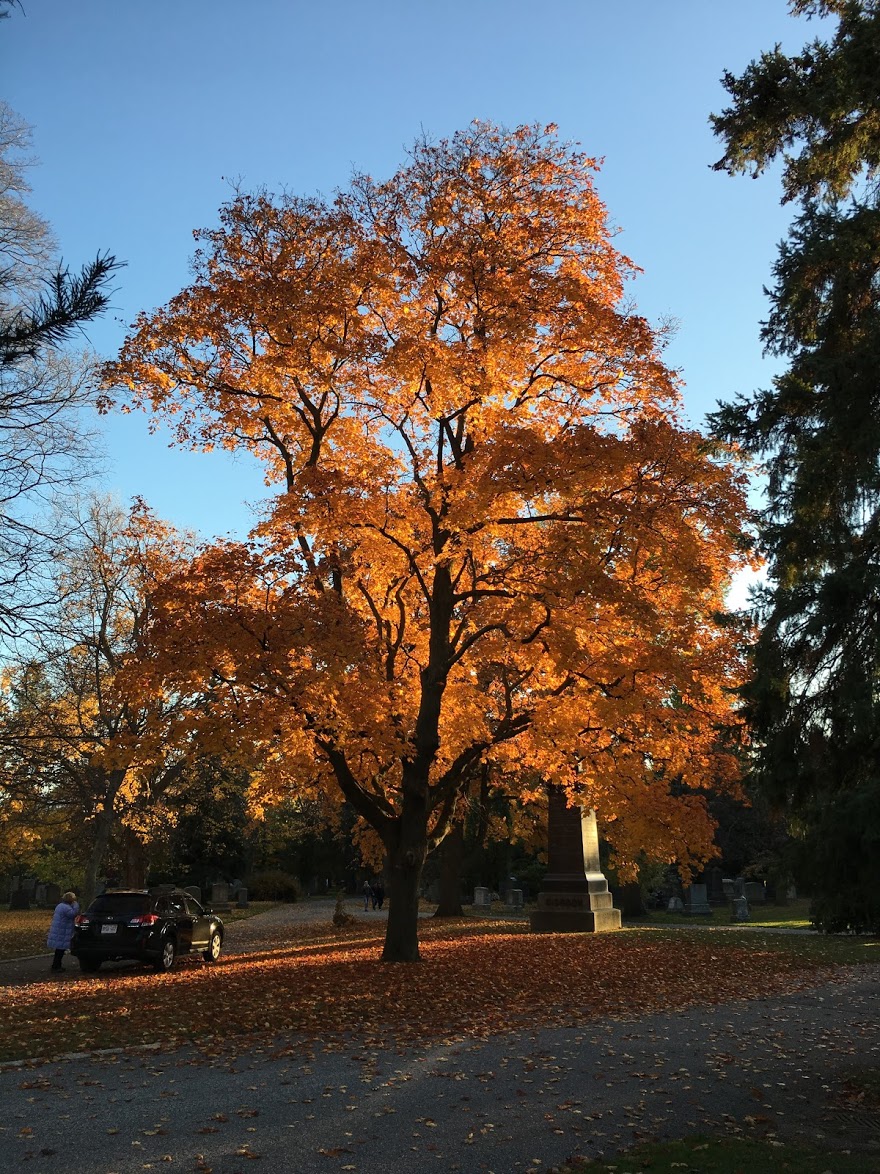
{"type": "Point", "coordinates": [841, 853]}
{"type": "Point", "coordinates": [273, 885]}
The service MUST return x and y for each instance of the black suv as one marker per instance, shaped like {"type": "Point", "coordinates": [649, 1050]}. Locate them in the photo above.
{"type": "Point", "coordinates": [154, 929]}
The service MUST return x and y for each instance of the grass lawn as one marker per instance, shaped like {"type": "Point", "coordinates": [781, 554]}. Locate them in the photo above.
{"type": "Point", "coordinates": [721, 1155]}
{"type": "Point", "coordinates": [319, 984]}
{"type": "Point", "coordinates": [23, 931]}
{"type": "Point", "coordinates": [795, 915]}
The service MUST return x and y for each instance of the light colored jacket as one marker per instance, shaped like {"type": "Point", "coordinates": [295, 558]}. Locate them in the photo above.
{"type": "Point", "coordinates": [61, 929]}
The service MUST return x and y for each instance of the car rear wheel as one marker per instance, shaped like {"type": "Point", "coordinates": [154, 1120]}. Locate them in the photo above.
{"type": "Point", "coordinates": [88, 964]}
{"type": "Point", "coordinates": [166, 958]}
{"type": "Point", "coordinates": [214, 945]}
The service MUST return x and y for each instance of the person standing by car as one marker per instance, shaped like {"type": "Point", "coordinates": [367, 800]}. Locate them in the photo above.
{"type": "Point", "coordinates": [61, 929]}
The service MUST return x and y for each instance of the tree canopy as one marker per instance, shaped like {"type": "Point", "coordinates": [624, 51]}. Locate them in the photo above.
{"type": "Point", "coordinates": [494, 540]}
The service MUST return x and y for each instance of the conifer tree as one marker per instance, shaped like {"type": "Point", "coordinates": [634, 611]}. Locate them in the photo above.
{"type": "Point", "coordinates": [814, 697]}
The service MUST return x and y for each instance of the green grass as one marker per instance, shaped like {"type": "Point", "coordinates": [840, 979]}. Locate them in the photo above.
{"type": "Point", "coordinates": [796, 915]}
{"type": "Point", "coordinates": [723, 1155]}
{"type": "Point", "coordinates": [821, 949]}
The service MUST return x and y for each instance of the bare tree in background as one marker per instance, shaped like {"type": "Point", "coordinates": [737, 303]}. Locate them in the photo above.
{"type": "Point", "coordinates": [44, 447]}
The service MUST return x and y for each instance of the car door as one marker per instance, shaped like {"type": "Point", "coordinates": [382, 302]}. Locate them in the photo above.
{"type": "Point", "coordinates": [184, 921]}
{"type": "Point", "coordinates": [201, 925]}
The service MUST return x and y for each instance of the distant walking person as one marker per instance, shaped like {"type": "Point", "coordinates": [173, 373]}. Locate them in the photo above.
{"type": "Point", "coordinates": [378, 893]}
{"type": "Point", "coordinates": [61, 929]}
{"type": "Point", "coordinates": [368, 896]}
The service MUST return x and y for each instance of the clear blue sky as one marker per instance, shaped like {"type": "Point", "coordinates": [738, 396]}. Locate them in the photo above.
{"type": "Point", "coordinates": [143, 112]}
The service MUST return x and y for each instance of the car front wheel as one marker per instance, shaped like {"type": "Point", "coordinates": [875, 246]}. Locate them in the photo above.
{"type": "Point", "coordinates": [88, 964]}
{"type": "Point", "coordinates": [166, 958]}
{"type": "Point", "coordinates": [213, 951]}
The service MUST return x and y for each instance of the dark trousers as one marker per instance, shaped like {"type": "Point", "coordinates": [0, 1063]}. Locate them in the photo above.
{"type": "Point", "coordinates": [56, 961]}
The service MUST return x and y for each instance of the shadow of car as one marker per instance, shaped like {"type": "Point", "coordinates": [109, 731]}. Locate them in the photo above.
{"type": "Point", "coordinates": [134, 924]}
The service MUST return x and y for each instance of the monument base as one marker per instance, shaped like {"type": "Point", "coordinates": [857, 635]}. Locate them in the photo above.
{"type": "Point", "coordinates": [576, 912]}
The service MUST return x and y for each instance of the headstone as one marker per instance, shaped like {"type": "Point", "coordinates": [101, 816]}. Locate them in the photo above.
{"type": "Point", "coordinates": [220, 897]}
{"type": "Point", "coordinates": [53, 895]}
{"type": "Point", "coordinates": [740, 909]}
{"type": "Point", "coordinates": [716, 886]}
{"type": "Point", "coordinates": [574, 896]}
{"type": "Point", "coordinates": [194, 891]}
{"type": "Point", "coordinates": [739, 887]}
{"type": "Point", "coordinates": [728, 887]}
{"type": "Point", "coordinates": [697, 902]}
{"type": "Point", "coordinates": [514, 899]}
{"type": "Point", "coordinates": [482, 897]}
{"type": "Point", "coordinates": [755, 893]}
{"type": "Point", "coordinates": [40, 896]}
{"type": "Point", "coordinates": [19, 899]}
{"type": "Point", "coordinates": [676, 905]}
{"type": "Point", "coordinates": [791, 893]}
{"type": "Point", "coordinates": [242, 897]}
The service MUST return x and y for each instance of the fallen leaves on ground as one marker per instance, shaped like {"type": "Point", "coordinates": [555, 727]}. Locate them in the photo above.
{"type": "Point", "coordinates": [23, 932]}
{"type": "Point", "coordinates": [329, 986]}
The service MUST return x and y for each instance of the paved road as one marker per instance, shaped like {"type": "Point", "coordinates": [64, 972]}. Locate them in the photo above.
{"type": "Point", "coordinates": [515, 1103]}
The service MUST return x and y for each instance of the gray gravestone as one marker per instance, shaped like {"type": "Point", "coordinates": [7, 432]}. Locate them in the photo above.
{"type": "Point", "coordinates": [755, 893]}
{"type": "Point", "coordinates": [676, 905]}
{"type": "Point", "coordinates": [40, 896]}
{"type": "Point", "coordinates": [19, 899]}
{"type": "Point", "coordinates": [53, 895]}
{"type": "Point", "coordinates": [574, 896]}
{"type": "Point", "coordinates": [728, 885]}
{"type": "Point", "coordinates": [220, 897]}
{"type": "Point", "coordinates": [242, 897]}
{"type": "Point", "coordinates": [740, 909]}
{"type": "Point", "coordinates": [697, 902]}
{"type": "Point", "coordinates": [482, 897]}
{"type": "Point", "coordinates": [194, 891]}
{"type": "Point", "coordinates": [514, 899]}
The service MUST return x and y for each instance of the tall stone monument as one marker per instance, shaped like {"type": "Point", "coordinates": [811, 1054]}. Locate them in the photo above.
{"type": "Point", "coordinates": [574, 897]}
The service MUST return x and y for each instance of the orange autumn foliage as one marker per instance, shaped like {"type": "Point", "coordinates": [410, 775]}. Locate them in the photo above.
{"type": "Point", "coordinates": [494, 539]}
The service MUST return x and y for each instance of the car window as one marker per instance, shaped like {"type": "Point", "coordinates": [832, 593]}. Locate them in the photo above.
{"type": "Point", "coordinates": [120, 904]}
{"type": "Point", "coordinates": [193, 908]}
{"type": "Point", "coordinates": [177, 906]}
{"type": "Point", "coordinates": [162, 906]}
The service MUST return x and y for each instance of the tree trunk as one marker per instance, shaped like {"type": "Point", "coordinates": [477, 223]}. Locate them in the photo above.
{"type": "Point", "coordinates": [134, 871]}
{"type": "Point", "coordinates": [451, 855]}
{"type": "Point", "coordinates": [407, 850]}
{"type": "Point", "coordinates": [101, 838]}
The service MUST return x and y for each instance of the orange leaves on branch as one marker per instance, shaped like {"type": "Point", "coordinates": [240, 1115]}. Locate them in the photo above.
{"type": "Point", "coordinates": [494, 540]}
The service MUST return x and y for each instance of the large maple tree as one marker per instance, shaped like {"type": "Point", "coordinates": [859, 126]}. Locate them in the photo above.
{"type": "Point", "coordinates": [494, 541]}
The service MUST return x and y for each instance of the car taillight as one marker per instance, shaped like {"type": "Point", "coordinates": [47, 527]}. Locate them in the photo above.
{"type": "Point", "coordinates": [81, 919]}
{"type": "Point", "coordinates": [144, 919]}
